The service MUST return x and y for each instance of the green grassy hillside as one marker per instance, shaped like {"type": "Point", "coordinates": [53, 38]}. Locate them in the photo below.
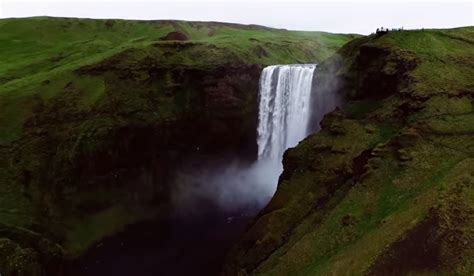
{"type": "Point", "coordinates": [32, 49]}
{"type": "Point", "coordinates": [386, 187]}
{"type": "Point", "coordinates": [91, 110]}
{"type": "Point", "coordinates": [42, 49]}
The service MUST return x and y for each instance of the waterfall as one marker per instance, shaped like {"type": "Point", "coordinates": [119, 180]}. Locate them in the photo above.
{"type": "Point", "coordinates": [284, 101]}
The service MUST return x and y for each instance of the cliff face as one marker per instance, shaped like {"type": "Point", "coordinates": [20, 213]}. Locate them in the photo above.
{"type": "Point", "coordinates": [385, 188]}
{"type": "Point", "coordinates": [97, 114]}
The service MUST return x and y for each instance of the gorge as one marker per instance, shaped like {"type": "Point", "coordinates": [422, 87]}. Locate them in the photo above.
{"type": "Point", "coordinates": [216, 202]}
{"type": "Point", "coordinates": [156, 147]}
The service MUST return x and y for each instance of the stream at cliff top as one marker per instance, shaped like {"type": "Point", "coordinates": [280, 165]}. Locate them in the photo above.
{"type": "Point", "coordinates": [213, 206]}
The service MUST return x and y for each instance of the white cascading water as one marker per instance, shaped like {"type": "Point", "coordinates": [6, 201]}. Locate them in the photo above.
{"type": "Point", "coordinates": [284, 113]}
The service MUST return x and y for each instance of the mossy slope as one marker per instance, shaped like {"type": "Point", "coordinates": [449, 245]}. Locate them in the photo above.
{"type": "Point", "coordinates": [385, 188]}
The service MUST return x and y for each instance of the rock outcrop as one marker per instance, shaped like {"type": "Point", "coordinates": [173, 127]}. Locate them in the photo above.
{"type": "Point", "coordinates": [175, 36]}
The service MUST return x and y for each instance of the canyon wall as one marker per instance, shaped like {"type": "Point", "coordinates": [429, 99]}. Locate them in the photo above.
{"type": "Point", "coordinates": [384, 188]}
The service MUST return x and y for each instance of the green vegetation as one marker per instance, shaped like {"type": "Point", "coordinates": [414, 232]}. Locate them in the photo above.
{"type": "Point", "coordinates": [86, 105]}
{"type": "Point", "coordinates": [385, 188]}
{"type": "Point", "coordinates": [39, 56]}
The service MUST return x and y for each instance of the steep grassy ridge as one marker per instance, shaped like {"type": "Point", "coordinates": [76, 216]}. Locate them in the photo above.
{"type": "Point", "coordinates": [386, 187]}
{"type": "Point", "coordinates": [38, 50]}
{"type": "Point", "coordinates": [96, 114]}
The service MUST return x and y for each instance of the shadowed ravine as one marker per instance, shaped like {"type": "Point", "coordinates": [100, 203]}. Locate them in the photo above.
{"type": "Point", "coordinates": [181, 246]}
{"type": "Point", "coordinates": [213, 205]}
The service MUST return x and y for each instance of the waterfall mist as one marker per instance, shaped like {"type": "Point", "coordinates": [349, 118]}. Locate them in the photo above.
{"type": "Point", "coordinates": [234, 187]}
{"type": "Point", "coordinates": [327, 92]}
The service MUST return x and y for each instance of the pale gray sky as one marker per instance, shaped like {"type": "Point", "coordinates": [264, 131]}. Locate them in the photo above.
{"type": "Point", "coordinates": [332, 16]}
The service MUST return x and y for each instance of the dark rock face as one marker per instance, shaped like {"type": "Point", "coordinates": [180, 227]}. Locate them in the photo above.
{"type": "Point", "coordinates": [384, 71]}
{"type": "Point", "coordinates": [175, 36]}
{"type": "Point", "coordinates": [135, 138]}
{"type": "Point", "coordinates": [173, 246]}
{"type": "Point", "coordinates": [215, 114]}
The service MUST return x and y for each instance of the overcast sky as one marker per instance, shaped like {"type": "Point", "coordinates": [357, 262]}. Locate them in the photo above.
{"type": "Point", "coordinates": [332, 16]}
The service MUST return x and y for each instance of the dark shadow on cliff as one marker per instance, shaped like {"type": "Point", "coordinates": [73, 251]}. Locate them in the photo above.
{"type": "Point", "coordinates": [210, 205]}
